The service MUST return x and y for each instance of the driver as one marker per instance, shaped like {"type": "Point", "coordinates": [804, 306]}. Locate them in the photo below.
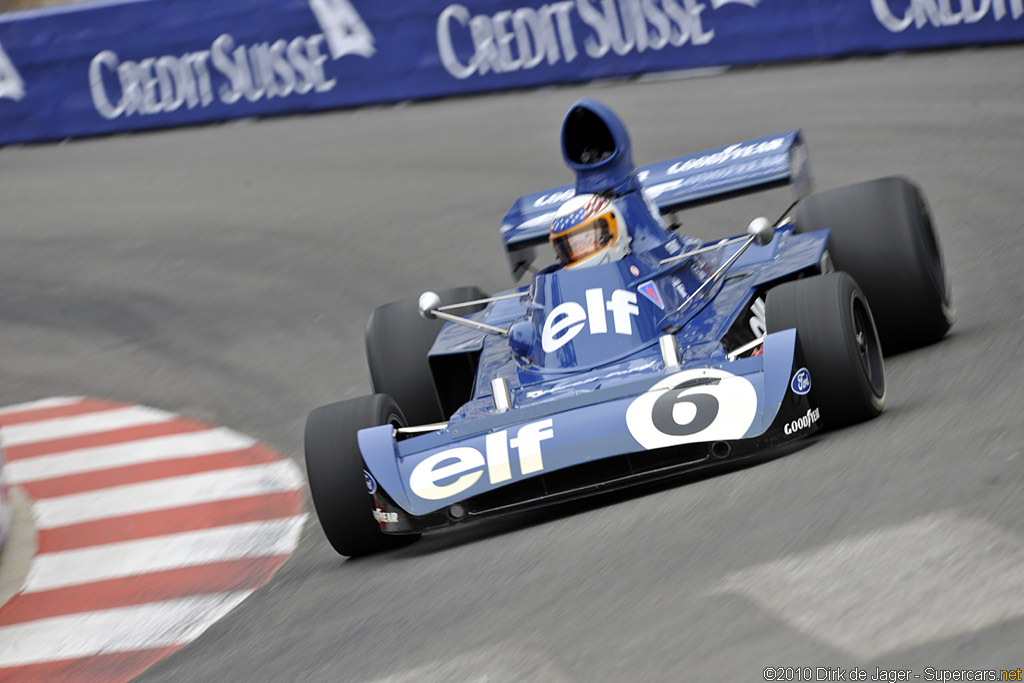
{"type": "Point", "coordinates": [587, 231]}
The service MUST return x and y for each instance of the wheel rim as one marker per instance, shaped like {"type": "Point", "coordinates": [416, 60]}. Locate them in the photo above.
{"type": "Point", "coordinates": [869, 350]}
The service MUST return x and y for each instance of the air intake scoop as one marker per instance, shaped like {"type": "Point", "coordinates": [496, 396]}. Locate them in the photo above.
{"type": "Point", "coordinates": [596, 146]}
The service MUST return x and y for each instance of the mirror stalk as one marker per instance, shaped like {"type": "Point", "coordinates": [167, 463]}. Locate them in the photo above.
{"type": "Point", "coordinates": [430, 304]}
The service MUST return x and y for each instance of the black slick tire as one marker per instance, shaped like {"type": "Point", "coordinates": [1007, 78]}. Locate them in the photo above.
{"type": "Point", "coordinates": [397, 342]}
{"type": "Point", "coordinates": [334, 467]}
{"type": "Point", "coordinates": [881, 233]}
{"type": "Point", "coordinates": [840, 344]}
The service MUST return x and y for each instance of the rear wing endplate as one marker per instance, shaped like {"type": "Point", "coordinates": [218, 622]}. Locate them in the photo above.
{"type": "Point", "coordinates": [696, 178]}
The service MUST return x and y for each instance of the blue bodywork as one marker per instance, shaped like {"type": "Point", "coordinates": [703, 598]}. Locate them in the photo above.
{"type": "Point", "coordinates": [582, 359]}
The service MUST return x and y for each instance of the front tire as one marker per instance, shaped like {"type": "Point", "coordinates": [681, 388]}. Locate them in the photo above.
{"type": "Point", "coordinates": [335, 469]}
{"type": "Point", "coordinates": [881, 233]}
{"type": "Point", "coordinates": [397, 342]}
{"type": "Point", "coordinates": [837, 334]}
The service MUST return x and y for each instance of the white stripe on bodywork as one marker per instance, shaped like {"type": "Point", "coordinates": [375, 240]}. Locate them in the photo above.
{"type": "Point", "coordinates": [162, 494]}
{"type": "Point", "coordinates": [127, 453]}
{"type": "Point", "coordinates": [162, 553]}
{"type": "Point", "coordinates": [140, 627]}
{"type": "Point", "coordinates": [80, 425]}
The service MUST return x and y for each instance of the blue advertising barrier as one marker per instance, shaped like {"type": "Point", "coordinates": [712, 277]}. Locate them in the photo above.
{"type": "Point", "coordinates": [116, 66]}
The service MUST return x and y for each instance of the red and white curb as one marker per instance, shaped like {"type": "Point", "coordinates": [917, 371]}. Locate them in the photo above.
{"type": "Point", "coordinates": [151, 527]}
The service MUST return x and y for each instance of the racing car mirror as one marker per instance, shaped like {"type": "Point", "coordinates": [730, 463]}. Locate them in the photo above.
{"type": "Point", "coordinates": [761, 229]}
{"type": "Point", "coordinates": [430, 303]}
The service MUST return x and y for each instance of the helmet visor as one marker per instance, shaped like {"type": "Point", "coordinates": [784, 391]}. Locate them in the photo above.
{"type": "Point", "coordinates": [585, 239]}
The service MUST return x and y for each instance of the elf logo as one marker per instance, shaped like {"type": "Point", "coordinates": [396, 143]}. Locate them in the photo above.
{"type": "Point", "coordinates": [567, 320]}
{"type": "Point", "coordinates": [449, 473]}
{"type": "Point", "coordinates": [11, 85]}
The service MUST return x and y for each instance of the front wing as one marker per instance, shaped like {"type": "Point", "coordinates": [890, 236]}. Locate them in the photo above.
{"type": "Point", "coordinates": [670, 422]}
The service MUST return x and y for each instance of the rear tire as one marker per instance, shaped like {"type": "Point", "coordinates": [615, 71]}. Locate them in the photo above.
{"type": "Point", "coordinates": [840, 344]}
{"type": "Point", "coordinates": [335, 469]}
{"type": "Point", "coordinates": [881, 233]}
{"type": "Point", "coordinates": [397, 341]}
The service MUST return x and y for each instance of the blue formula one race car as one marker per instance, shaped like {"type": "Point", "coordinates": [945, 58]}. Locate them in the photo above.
{"type": "Point", "coordinates": [641, 354]}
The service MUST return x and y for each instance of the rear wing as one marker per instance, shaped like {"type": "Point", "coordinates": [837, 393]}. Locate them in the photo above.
{"type": "Point", "coordinates": [713, 175]}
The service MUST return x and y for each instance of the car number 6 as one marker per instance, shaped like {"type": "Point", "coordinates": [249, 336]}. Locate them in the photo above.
{"type": "Point", "coordinates": [705, 407]}
{"type": "Point", "coordinates": [704, 404]}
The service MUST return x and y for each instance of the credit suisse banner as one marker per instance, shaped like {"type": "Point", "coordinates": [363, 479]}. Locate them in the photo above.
{"type": "Point", "coordinates": [100, 68]}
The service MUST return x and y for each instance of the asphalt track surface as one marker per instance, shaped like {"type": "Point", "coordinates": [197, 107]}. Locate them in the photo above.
{"type": "Point", "coordinates": [226, 273]}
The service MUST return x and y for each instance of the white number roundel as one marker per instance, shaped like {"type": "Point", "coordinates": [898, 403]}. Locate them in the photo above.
{"type": "Point", "coordinates": [692, 406]}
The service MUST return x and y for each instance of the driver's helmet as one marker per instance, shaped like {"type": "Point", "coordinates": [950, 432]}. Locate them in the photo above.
{"type": "Point", "coordinates": [587, 231]}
